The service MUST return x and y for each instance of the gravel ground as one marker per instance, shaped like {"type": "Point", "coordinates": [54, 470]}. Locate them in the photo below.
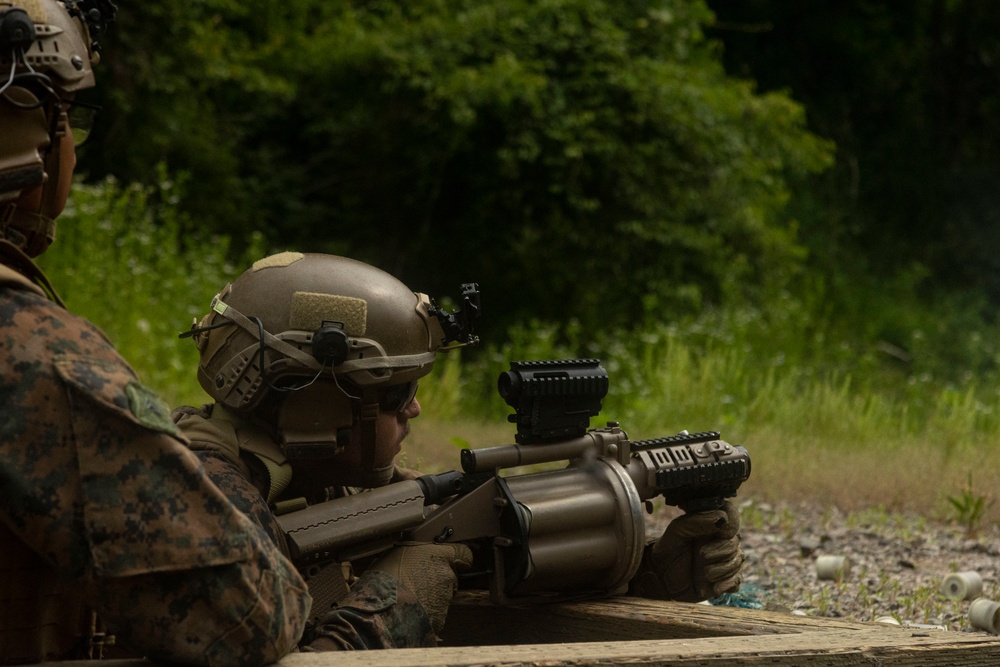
{"type": "Point", "coordinates": [897, 564]}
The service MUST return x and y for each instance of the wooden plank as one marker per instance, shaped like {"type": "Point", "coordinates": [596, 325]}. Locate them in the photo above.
{"type": "Point", "coordinates": [472, 620]}
{"type": "Point", "coordinates": [835, 649]}
{"type": "Point", "coordinates": [646, 632]}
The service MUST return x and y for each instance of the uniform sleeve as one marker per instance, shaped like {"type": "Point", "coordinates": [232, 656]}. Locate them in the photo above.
{"type": "Point", "coordinates": [379, 613]}
{"type": "Point", "coordinates": [96, 480]}
{"type": "Point", "coordinates": [216, 445]}
{"type": "Point", "coordinates": [243, 494]}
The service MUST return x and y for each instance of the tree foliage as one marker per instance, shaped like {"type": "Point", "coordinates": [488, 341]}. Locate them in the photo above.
{"type": "Point", "coordinates": [908, 91]}
{"type": "Point", "coordinates": [578, 158]}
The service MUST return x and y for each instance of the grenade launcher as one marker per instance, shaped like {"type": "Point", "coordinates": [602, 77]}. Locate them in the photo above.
{"type": "Point", "coordinates": [574, 531]}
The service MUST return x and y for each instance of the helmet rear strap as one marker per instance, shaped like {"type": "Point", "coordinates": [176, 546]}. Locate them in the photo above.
{"type": "Point", "coordinates": [271, 341]}
{"type": "Point", "coordinates": [369, 431]}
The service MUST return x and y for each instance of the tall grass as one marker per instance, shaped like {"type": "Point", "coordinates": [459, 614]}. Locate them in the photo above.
{"type": "Point", "coordinates": [853, 413]}
{"type": "Point", "coordinates": [814, 433]}
{"type": "Point", "coordinates": [124, 259]}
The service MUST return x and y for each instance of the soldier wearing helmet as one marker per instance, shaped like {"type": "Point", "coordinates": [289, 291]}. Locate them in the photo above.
{"type": "Point", "coordinates": [318, 330]}
{"type": "Point", "coordinates": [46, 55]}
{"type": "Point", "coordinates": [93, 469]}
{"type": "Point", "coordinates": [313, 362]}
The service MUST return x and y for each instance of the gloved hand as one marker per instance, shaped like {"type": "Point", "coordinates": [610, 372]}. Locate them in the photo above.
{"type": "Point", "coordinates": [401, 474]}
{"type": "Point", "coordinates": [428, 571]}
{"type": "Point", "coordinates": [697, 558]}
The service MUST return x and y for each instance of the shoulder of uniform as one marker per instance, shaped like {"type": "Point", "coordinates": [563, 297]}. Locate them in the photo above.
{"type": "Point", "coordinates": [12, 278]}
{"type": "Point", "coordinates": [20, 272]}
{"type": "Point", "coordinates": [213, 428]}
{"type": "Point", "coordinates": [187, 411]}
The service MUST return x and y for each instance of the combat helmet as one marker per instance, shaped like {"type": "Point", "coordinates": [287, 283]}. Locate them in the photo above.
{"type": "Point", "coordinates": [330, 341]}
{"type": "Point", "coordinates": [47, 53]}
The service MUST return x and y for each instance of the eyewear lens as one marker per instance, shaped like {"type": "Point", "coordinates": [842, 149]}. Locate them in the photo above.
{"type": "Point", "coordinates": [397, 397]}
{"type": "Point", "coordinates": [81, 120]}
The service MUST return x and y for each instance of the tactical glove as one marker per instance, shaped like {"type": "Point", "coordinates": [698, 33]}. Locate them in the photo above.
{"type": "Point", "coordinates": [428, 571]}
{"type": "Point", "coordinates": [401, 474]}
{"type": "Point", "coordinates": [697, 558]}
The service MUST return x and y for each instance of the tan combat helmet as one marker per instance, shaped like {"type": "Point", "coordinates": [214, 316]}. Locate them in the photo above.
{"type": "Point", "coordinates": [46, 57]}
{"type": "Point", "coordinates": [329, 340]}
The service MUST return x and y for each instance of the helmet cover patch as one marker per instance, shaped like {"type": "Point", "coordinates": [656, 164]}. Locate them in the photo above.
{"type": "Point", "coordinates": [310, 310]}
{"type": "Point", "coordinates": [281, 259]}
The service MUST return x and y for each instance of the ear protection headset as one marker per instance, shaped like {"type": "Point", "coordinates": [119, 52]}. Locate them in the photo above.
{"type": "Point", "coordinates": [17, 30]}
{"type": "Point", "coordinates": [21, 165]}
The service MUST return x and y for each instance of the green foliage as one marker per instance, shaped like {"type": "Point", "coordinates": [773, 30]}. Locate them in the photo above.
{"type": "Point", "coordinates": [970, 508]}
{"type": "Point", "coordinates": [566, 154]}
{"type": "Point", "coordinates": [180, 83]}
{"type": "Point", "coordinates": [791, 364]}
{"type": "Point", "coordinates": [517, 139]}
{"type": "Point", "coordinates": [123, 262]}
{"type": "Point", "coordinates": [775, 379]}
{"type": "Point", "coordinates": [911, 186]}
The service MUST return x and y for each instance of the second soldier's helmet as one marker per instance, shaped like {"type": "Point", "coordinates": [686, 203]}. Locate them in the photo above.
{"type": "Point", "coordinates": [324, 338]}
{"type": "Point", "coordinates": [46, 55]}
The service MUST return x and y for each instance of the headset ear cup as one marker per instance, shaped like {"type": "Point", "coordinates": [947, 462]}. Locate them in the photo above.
{"type": "Point", "coordinates": [21, 164]}
{"type": "Point", "coordinates": [312, 421]}
{"type": "Point", "coordinates": [17, 30]}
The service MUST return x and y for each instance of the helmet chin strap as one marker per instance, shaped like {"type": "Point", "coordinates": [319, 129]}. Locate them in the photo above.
{"type": "Point", "coordinates": [51, 205]}
{"type": "Point", "coordinates": [372, 476]}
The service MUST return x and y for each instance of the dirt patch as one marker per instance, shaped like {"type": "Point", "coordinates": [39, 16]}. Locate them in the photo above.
{"type": "Point", "coordinates": [897, 563]}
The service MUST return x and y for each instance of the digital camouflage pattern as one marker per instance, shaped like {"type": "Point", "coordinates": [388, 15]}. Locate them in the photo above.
{"type": "Point", "coordinates": [378, 611]}
{"type": "Point", "coordinates": [103, 506]}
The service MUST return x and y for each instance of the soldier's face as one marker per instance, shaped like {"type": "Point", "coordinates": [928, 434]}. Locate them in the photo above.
{"type": "Point", "coordinates": [392, 428]}
{"type": "Point", "coordinates": [395, 426]}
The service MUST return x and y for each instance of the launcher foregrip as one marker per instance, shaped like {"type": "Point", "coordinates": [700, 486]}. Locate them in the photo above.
{"type": "Point", "coordinates": [695, 472]}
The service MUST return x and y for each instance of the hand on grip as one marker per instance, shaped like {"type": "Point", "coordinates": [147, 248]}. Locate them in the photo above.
{"type": "Point", "coordinates": [697, 558]}
{"type": "Point", "coordinates": [429, 572]}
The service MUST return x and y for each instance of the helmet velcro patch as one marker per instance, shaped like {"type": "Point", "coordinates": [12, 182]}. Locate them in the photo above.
{"type": "Point", "coordinates": [281, 259]}
{"type": "Point", "coordinates": [310, 310]}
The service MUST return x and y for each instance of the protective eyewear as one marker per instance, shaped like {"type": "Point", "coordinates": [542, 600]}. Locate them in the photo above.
{"type": "Point", "coordinates": [79, 115]}
{"type": "Point", "coordinates": [397, 397]}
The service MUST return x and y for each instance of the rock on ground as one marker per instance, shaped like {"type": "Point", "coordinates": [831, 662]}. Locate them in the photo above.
{"type": "Point", "coordinates": [897, 563]}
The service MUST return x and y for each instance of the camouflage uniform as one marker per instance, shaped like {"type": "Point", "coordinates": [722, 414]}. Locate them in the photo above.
{"type": "Point", "coordinates": [104, 509]}
{"type": "Point", "coordinates": [245, 461]}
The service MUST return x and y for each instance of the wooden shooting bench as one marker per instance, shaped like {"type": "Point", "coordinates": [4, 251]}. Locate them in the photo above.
{"type": "Point", "coordinates": [645, 632]}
